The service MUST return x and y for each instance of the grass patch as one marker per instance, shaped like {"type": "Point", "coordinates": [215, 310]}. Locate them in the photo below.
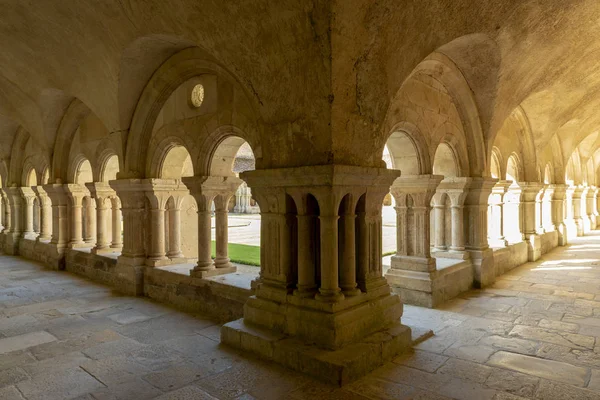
{"type": "Point", "coordinates": [389, 253]}
{"type": "Point", "coordinates": [240, 253]}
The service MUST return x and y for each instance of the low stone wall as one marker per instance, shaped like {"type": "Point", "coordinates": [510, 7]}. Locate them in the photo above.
{"type": "Point", "coordinates": [95, 267]}
{"type": "Point", "coordinates": [509, 257]}
{"type": "Point", "coordinates": [223, 302]}
{"type": "Point", "coordinates": [220, 301]}
{"type": "Point", "coordinates": [43, 252]}
{"type": "Point", "coordinates": [549, 241]}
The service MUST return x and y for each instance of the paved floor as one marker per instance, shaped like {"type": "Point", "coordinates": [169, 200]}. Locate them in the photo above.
{"type": "Point", "coordinates": [533, 335]}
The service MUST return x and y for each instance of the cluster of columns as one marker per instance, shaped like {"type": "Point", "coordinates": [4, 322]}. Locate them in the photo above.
{"type": "Point", "coordinates": [522, 211]}
{"type": "Point", "coordinates": [207, 190]}
{"type": "Point", "coordinates": [148, 204]}
{"type": "Point", "coordinates": [65, 216]}
{"type": "Point", "coordinates": [321, 243]}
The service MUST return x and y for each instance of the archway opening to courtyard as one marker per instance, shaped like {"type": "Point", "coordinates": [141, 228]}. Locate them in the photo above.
{"type": "Point", "coordinates": [236, 223]}
{"type": "Point", "coordinates": [180, 236]}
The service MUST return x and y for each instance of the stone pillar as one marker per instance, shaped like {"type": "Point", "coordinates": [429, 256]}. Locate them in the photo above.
{"type": "Point", "coordinates": [45, 214]}
{"type": "Point", "coordinates": [539, 222]}
{"type": "Point", "coordinates": [547, 209]}
{"type": "Point", "coordinates": [328, 320]}
{"type": "Point", "coordinates": [347, 247]}
{"type": "Point", "coordinates": [5, 211]}
{"type": "Point", "coordinates": [456, 190]}
{"type": "Point", "coordinates": [158, 202]}
{"type": "Point", "coordinates": [559, 193]}
{"type": "Point", "coordinates": [89, 220]}
{"type": "Point", "coordinates": [76, 193]}
{"type": "Point", "coordinates": [222, 231]}
{"type": "Point", "coordinates": [28, 203]}
{"type": "Point", "coordinates": [439, 228]}
{"type": "Point", "coordinates": [569, 210]}
{"type": "Point", "coordinates": [591, 207]}
{"type": "Point", "coordinates": [116, 226]}
{"type": "Point", "coordinates": [531, 193]}
{"type": "Point", "coordinates": [476, 204]}
{"type": "Point", "coordinates": [496, 233]}
{"type": "Point", "coordinates": [130, 264]}
{"type": "Point", "coordinates": [412, 266]}
{"type": "Point", "coordinates": [512, 215]}
{"type": "Point", "coordinates": [204, 189]}
{"type": "Point", "coordinates": [101, 192]}
{"type": "Point", "coordinates": [15, 201]}
{"type": "Point", "coordinates": [579, 209]}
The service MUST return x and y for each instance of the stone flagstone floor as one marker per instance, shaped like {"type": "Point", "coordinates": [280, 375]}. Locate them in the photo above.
{"type": "Point", "coordinates": [534, 334]}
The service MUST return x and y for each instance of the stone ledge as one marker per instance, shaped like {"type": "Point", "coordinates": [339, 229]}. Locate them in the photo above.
{"type": "Point", "coordinates": [337, 367]}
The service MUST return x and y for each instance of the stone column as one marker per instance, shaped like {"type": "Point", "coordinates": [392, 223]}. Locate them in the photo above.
{"type": "Point", "coordinates": [89, 212]}
{"type": "Point", "coordinates": [222, 231]}
{"type": "Point", "coordinates": [204, 189]}
{"type": "Point", "coordinates": [530, 202]}
{"type": "Point", "coordinates": [329, 291]}
{"type": "Point", "coordinates": [591, 207]}
{"type": "Point", "coordinates": [45, 214]}
{"type": "Point", "coordinates": [496, 231]}
{"type": "Point", "coordinates": [116, 228]}
{"type": "Point", "coordinates": [570, 224]}
{"type": "Point", "coordinates": [476, 204]}
{"type": "Point", "coordinates": [456, 190]}
{"type": "Point", "coordinates": [76, 193]}
{"type": "Point", "coordinates": [347, 247]}
{"type": "Point", "coordinates": [5, 211]}
{"type": "Point", "coordinates": [59, 200]}
{"type": "Point", "coordinates": [512, 217]}
{"type": "Point", "coordinates": [579, 209]}
{"type": "Point", "coordinates": [101, 192]}
{"type": "Point", "coordinates": [28, 203]}
{"type": "Point", "coordinates": [175, 230]}
{"type": "Point", "coordinates": [558, 212]}
{"type": "Point", "coordinates": [15, 201]}
{"type": "Point", "coordinates": [156, 251]}
{"type": "Point", "coordinates": [547, 211]}
{"type": "Point", "coordinates": [595, 208]}
{"type": "Point", "coordinates": [306, 252]}
{"type": "Point", "coordinates": [413, 195]}
{"type": "Point", "coordinates": [539, 222]}
{"type": "Point", "coordinates": [439, 218]}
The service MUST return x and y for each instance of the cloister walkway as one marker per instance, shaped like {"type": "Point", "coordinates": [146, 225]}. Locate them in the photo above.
{"type": "Point", "coordinates": [534, 334]}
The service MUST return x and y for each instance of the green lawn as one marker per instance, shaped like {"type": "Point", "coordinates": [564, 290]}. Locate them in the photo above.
{"type": "Point", "coordinates": [241, 253]}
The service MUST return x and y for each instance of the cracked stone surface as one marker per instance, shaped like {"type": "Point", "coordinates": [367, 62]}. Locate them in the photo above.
{"type": "Point", "coordinates": [526, 337]}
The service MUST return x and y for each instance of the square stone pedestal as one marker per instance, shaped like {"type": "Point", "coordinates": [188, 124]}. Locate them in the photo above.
{"type": "Point", "coordinates": [430, 288]}
{"type": "Point", "coordinates": [337, 367]}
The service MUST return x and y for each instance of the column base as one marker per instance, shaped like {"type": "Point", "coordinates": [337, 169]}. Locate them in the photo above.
{"type": "Point", "coordinates": [103, 250]}
{"type": "Point", "coordinates": [78, 245]}
{"type": "Point", "coordinates": [336, 367]}
{"type": "Point", "coordinates": [30, 235]}
{"type": "Point", "coordinates": [158, 262]}
{"type": "Point", "coordinates": [116, 246]}
{"type": "Point", "coordinates": [197, 273]}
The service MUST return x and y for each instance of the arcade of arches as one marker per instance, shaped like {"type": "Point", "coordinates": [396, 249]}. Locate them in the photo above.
{"type": "Point", "coordinates": [404, 165]}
